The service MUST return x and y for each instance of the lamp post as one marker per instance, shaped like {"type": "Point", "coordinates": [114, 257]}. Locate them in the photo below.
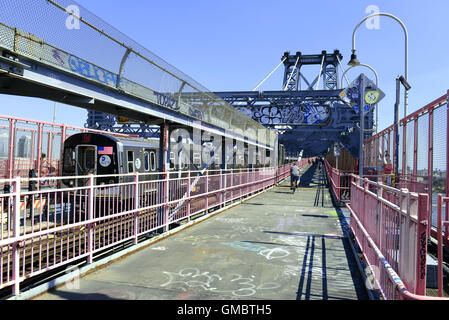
{"type": "Point", "coordinates": [399, 80]}
{"type": "Point", "coordinates": [354, 60]}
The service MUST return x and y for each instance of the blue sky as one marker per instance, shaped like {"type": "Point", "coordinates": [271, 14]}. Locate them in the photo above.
{"type": "Point", "coordinates": [231, 45]}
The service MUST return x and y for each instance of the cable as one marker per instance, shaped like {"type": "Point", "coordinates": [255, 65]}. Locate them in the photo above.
{"type": "Point", "coordinates": [319, 74]}
{"type": "Point", "coordinates": [341, 66]}
{"type": "Point", "coordinates": [269, 74]}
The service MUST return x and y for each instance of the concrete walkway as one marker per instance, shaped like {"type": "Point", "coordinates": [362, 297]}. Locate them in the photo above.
{"type": "Point", "coordinates": [278, 245]}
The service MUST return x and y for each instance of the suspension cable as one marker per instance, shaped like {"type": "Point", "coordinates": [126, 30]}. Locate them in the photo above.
{"type": "Point", "coordinates": [269, 74]}
{"type": "Point", "coordinates": [341, 66]}
{"type": "Point", "coordinates": [319, 74]}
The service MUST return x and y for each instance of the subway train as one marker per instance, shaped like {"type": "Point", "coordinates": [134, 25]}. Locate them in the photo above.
{"type": "Point", "coordinates": [113, 156]}
{"type": "Point", "coordinates": [112, 160]}
{"type": "Point", "coordinates": [103, 154]}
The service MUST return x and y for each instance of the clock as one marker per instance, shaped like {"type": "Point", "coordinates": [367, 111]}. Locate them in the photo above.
{"type": "Point", "coordinates": [372, 97]}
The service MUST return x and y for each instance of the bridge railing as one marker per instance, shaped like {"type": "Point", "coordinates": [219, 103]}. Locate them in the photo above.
{"type": "Point", "coordinates": [392, 237]}
{"type": "Point", "coordinates": [340, 183]}
{"type": "Point", "coordinates": [23, 141]}
{"type": "Point", "coordinates": [50, 228]}
{"type": "Point", "coordinates": [422, 154]}
{"type": "Point", "coordinates": [396, 232]}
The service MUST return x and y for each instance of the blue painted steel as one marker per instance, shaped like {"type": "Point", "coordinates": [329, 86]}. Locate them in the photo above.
{"type": "Point", "coordinates": [308, 120]}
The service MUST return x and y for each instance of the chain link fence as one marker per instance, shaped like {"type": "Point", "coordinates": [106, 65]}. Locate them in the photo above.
{"type": "Point", "coordinates": [65, 35]}
{"type": "Point", "coordinates": [422, 152]}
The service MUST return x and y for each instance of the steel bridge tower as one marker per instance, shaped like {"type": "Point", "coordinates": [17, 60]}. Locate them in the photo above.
{"type": "Point", "coordinates": [310, 115]}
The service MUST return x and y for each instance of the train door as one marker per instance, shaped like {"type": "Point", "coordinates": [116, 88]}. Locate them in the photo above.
{"type": "Point", "coordinates": [86, 162]}
{"type": "Point", "coordinates": [149, 160]}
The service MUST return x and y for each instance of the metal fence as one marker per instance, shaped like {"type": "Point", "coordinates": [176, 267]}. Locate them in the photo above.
{"type": "Point", "coordinates": [392, 238]}
{"type": "Point", "coordinates": [423, 147]}
{"type": "Point", "coordinates": [69, 38]}
{"type": "Point", "coordinates": [23, 142]}
{"type": "Point", "coordinates": [340, 183]}
{"type": "Point", "coordinates": [46, 229]}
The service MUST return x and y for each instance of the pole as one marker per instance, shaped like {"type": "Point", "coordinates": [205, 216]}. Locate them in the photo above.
{"type": "Point", "coordinates": [362, 126]}
{"type": "Point", "coordinates": [396, 128]}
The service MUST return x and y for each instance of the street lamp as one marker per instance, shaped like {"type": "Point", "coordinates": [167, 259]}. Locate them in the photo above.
{"type": "Point", "coordinates": [354, 60]}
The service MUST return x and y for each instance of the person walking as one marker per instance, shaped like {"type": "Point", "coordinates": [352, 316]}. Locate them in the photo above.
{"type": "Point", "coordinates": [294, 177]}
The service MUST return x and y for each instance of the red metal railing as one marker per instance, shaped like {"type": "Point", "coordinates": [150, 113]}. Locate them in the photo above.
{"type": "Point", "coordinates": [392, 237]}
{"type": "Point", "coordinates": [48, 228]}
{"type": "Point", "coordinates": [442, 229]}
{"type": "Point", "coordinates": [23, 141]}
{"type": "Point", "coordinates": [423, 153]}
{"type": "Point", "coordinates": [340, 183]}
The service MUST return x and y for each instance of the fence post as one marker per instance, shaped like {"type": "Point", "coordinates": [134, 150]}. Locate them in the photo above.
{"type": "Point", "coordinates": [276, 170]}
{"type": "Point", "coordinates": [136, 207]}
{"type": "Point", "coordinates": [16, 233]}
{"type": "Point", "coordinates": [11, 162]}
{"type": "Point", "coordinates": [220, 186]}
{"type": "Point", "coordinates": [440, 245]}
{"type": "Point", "coordinates": [165, 200]}
{"type": "Point", "coordinates": [248, 178]}
{"type": "Point", "coordinates": [90, 216]}
{"type": "Point", "coordinates": [404, 237]}
{"type": "Point", "coordinates": [240, 183]}
{"type": "Point", "coordinates": [188, 196]}
{"type": "Point", "coordinates": [206, 202]}
{"type": "Point", "coordinates": [421, 247]}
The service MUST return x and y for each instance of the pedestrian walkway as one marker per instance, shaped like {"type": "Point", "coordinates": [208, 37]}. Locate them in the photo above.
{"type": "Point", "coordinates": [278, 245]}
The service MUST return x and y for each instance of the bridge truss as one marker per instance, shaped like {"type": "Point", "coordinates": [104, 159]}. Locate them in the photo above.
{"type": "Point", "coordinates": [310, 120]}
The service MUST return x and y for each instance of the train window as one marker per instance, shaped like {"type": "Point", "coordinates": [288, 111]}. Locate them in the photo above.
{"type": "Point", "coordinates": [130, 161]}
{"type": "Point", "coordinates": [90, 159]}
{"type": "Point", "coordinates": [153, 160]}
{"type": "Point", "coordinates": [146, 161]}
{"type": "Point", "coordinates": [69, 160]}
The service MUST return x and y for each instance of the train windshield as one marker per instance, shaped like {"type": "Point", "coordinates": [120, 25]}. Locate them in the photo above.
{"type": "Point", "coordinates": [86, 160]}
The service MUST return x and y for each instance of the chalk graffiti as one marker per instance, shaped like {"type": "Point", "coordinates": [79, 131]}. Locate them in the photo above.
{"type": "Point", "coordinates": [197, 239]}
{"type": "Point", "coordinates": [247, 229]}
{"type": "Point", "coordinates": [234, 284]}
{"type": "Point", "coordinates": [273, 253]}
{"type": "Point", "coordinates": [230, 220]}
{"type": "Point", "coordinates": [290, 222]}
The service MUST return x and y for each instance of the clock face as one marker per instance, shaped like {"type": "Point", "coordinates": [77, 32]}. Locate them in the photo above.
{"type": "Point", "coordinates": [372, 97]}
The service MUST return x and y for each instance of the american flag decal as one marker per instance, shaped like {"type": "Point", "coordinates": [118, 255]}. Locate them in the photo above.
{"type": "Point", "coordinates": [105, 150]}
